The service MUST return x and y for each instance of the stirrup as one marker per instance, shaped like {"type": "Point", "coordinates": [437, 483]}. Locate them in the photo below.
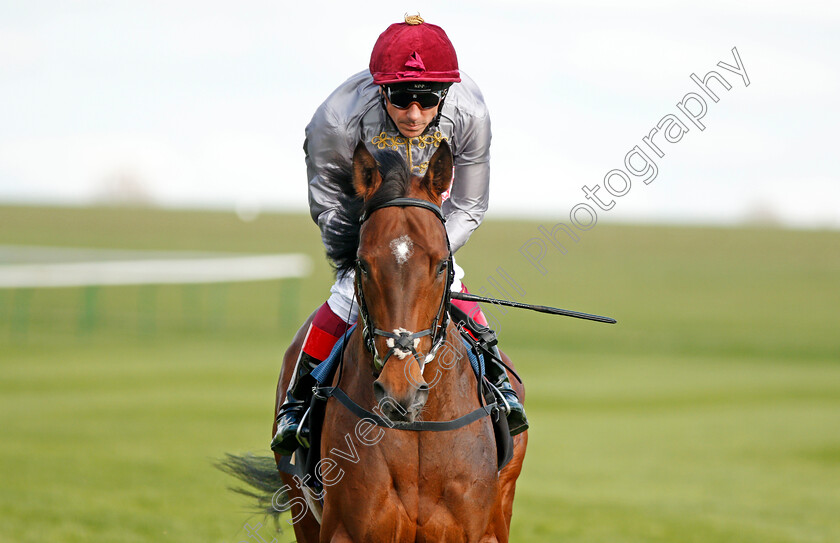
{"type": "Point", "coordinates": [303, 440]}
{"type": "Point", "coordinates": [504, 405]}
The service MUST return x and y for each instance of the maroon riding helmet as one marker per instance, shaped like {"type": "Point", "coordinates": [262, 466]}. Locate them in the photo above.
{"type": "Point", "coordinates": [414, 51]}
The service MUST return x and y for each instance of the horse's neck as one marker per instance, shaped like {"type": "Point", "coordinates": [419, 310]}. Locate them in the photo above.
{"type": "Point", "coordinates": [355, 375]}
{"type": "Point", "coordinates": [450, 376]}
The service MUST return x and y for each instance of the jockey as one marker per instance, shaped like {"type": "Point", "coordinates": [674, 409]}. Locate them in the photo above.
{"type": "Point", "coordinates": [412, 98]}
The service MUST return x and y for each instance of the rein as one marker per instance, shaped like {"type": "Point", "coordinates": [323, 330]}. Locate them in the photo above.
{"type": "Point", "coordinates": [405, 342]}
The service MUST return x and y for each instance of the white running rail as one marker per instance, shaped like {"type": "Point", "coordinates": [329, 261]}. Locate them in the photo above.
{"type": "Point", "coordinates": [155, 271]}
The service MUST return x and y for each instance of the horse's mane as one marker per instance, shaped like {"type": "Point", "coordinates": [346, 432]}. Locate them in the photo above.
{"type": "Point", "coordinates": [341, 236]}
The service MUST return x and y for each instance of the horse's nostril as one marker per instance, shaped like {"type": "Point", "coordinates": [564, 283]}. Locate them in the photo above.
{"type": "Point", "coordinates": [378, 391]}
{"type": "Point", "coordinates": [423, 388]}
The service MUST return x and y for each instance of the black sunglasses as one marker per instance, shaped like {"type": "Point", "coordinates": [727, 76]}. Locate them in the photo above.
{"type": "Point", "coordinates": [403, 98]}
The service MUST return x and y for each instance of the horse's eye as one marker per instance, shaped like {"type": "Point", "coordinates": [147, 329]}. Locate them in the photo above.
{"type": "Point", "coordinates": [442, 267]}
{"type": "Point", "coordinates": [363, 267]}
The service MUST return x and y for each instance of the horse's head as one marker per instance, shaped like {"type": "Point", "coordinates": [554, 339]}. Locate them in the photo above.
{"type": "Point", "coordinates": [403, 273]}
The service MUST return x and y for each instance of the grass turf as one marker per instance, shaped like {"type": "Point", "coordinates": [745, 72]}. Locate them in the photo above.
{"type": "Point", "coordinates": [711, 412]}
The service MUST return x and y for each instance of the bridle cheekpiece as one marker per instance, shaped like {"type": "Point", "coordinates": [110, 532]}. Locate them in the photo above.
{"type": "Point", "coordinates": [401, 340]}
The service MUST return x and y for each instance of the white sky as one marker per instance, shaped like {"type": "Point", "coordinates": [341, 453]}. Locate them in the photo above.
{"type": "Point", "coordinates": [205, 103]}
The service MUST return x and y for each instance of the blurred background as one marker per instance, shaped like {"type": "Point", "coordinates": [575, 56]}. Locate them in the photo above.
{"type": "Point", "coordinates": [203, 104]}
{"type": "Point", "coordinates": [163, 136]}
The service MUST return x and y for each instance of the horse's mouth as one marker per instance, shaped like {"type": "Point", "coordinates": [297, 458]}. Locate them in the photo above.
{"type": "Point", "coordinates": [411, 414]}
{"type": "Point", "coordinates": [415, 412]}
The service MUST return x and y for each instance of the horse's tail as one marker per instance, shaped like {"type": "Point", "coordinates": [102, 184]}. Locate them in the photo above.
{"type": "Point", "coordinates": [260, 473]}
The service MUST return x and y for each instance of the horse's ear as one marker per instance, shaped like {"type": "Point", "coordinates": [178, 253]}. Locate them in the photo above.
{"type": "Point", "coordinates": [366, 178]}
{"type": "Point", "coordinates": [439, 173]}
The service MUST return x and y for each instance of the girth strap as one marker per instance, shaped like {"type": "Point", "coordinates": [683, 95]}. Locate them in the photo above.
{"type": "Point", "coordinates": [417, 426]}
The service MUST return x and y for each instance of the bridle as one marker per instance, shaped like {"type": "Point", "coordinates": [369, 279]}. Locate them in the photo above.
{"type": "Point", "coordinates": [404, 341]}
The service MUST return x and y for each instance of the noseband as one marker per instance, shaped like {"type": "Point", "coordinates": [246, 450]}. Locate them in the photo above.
{"type": "Point", "coordinates": [403, 341]}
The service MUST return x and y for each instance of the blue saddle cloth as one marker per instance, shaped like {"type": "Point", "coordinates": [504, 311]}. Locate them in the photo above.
{"type": "Point", "coordinates": [324, 371]}
{"type": "Point", "coordinates": [476, 359]}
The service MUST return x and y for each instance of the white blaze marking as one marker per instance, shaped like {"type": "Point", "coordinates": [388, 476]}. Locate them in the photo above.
{"type": "Point", "coordinates": [403, 248]}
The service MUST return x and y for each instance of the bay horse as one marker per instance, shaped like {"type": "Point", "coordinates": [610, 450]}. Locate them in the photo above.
{"type": "Point", "coordinates": [388, 483]}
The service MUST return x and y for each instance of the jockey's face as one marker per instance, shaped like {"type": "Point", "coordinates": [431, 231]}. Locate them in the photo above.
{"type": "Point", "coordinates": [413, 120]}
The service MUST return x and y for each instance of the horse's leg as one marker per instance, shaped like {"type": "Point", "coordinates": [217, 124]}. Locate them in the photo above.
{"type": "Point", "coordinates": [306, 529]}
{"type": "Point", "coordinates": [499, 529]}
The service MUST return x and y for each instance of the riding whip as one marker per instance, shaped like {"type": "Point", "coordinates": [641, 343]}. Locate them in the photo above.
{"type": "Point", "coordinates": [540, 308]}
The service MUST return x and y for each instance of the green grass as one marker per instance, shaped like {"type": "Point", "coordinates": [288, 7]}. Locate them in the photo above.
{"type": "Point", "coordinates": [710, 413]}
